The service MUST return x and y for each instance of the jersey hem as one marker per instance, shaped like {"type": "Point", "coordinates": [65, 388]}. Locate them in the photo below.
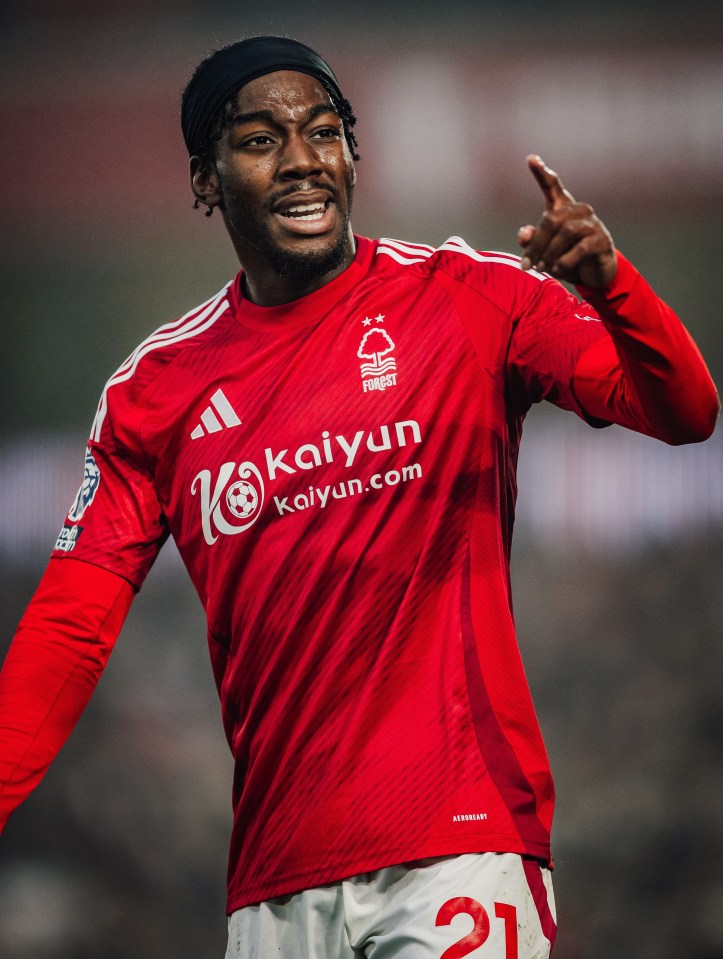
{"type": "Point", "coordinates": [344, 869]}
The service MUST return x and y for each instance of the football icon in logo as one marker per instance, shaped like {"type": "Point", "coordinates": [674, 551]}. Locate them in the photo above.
{"type": "Point", "coordinates": [242, 499]}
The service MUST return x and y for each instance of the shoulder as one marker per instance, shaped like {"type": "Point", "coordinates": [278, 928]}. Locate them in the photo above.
{"type": "Point", "coordinates": [154, 354]}
{"type": "Point", "coordinates": [458, 259]}
{"type": "Point", "coordinates": [469, 276]}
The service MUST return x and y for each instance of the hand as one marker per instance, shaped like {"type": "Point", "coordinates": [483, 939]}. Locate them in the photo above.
{"type": "Point", "coordinates": [569, 242]}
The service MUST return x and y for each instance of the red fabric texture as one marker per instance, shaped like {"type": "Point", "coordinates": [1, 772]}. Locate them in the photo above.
{"type": "Point", "coordinates": [649, 376]}
{"type": "Point", "coordinates": [538, 890]}
{"type": "Point", "coordinates": [54, 662]}
{"type": "Point", "coordinates": [339, 475]}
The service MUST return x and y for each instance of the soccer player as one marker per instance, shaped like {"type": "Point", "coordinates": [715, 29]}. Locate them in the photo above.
{"type": "Point", "coordinates": [332, 440]}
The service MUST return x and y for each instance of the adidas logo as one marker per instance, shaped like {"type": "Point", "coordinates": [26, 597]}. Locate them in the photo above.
{"type": "Point", "coordinates": [212, 423]}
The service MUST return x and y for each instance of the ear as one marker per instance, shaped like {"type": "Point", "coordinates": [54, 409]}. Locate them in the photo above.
{"type": "Point", "coordinates": [205, 182]}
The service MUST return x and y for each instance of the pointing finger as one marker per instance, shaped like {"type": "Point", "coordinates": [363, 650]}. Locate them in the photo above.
{"type": "Point", "coordinates": [555, 193]}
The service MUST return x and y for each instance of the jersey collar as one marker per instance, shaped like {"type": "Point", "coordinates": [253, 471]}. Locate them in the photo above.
{"type": "Point", "coordinates": [308, 309]}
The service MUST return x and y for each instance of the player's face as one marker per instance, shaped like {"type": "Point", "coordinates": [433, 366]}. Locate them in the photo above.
{"type": "Point", "coordinates": [286, 178]}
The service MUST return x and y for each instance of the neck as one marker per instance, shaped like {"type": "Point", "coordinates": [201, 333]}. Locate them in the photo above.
{"type": "Point", "coordinates": [265, 285]}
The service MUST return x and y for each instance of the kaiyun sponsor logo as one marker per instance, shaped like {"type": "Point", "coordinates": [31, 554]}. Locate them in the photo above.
{"type": "Point", "coordinates": [232, 501]}
{"type": "Point", "coordinates": [319, 496]}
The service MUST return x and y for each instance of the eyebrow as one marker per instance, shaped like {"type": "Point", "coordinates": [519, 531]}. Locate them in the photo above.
{"type": "Point", "coordinates": [266, 115]}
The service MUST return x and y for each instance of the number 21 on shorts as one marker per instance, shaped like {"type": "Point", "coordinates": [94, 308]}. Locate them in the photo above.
{"type": "Point", "coordinates": [481, 930]}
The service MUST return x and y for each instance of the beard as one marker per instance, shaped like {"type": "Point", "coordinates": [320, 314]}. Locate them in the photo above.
{"type": "Point", "coordinates": [244, 219]}
{"type": "Point", "coordinates": [295, 265]}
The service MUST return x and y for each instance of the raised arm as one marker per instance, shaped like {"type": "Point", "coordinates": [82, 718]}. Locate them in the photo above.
{"type": "Point", "coordinates": [650, 375]}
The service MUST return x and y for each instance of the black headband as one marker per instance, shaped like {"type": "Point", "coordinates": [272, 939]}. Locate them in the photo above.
{"type": "Point", "coordinates": [226, 71]}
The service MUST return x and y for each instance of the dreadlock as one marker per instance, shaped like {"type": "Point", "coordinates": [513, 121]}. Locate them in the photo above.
{"type": "Point", "coordinates": [348, 120]}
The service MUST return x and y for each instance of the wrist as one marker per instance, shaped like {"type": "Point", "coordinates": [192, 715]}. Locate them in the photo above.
{"type": "Point", "coordinates": [621, 282]}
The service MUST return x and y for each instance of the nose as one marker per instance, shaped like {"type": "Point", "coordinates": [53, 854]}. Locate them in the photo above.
{"type": "Point", "coordinates": [299, 159]}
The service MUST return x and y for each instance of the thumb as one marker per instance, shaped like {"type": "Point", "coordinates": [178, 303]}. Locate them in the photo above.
{"type": "Point", "coordinates": [525, 234]}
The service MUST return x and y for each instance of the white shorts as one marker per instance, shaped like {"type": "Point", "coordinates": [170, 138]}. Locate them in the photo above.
{"type": "Point", "coordinates": [487, 905]}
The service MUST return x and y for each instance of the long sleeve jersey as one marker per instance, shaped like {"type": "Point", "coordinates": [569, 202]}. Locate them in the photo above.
{"type": "Point", "coordinates": [339, 475]}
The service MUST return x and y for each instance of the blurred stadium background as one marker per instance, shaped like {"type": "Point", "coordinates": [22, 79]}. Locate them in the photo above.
{"type": "Point", "coordinates": [618, 562]}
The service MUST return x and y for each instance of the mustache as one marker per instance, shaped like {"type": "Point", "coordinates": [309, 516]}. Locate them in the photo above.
{"type": "Point", "coordinates": [308, 187]}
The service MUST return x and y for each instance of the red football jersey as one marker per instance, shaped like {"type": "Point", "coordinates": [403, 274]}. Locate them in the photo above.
{"type": "Point", "coordinates": [339, 476]}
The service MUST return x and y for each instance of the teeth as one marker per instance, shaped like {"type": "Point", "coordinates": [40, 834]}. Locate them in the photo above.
{"type": "Point", "coordinates": [306, 211]}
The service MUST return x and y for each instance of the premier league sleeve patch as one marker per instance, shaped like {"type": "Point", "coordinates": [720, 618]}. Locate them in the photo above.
{"type": "Point", "coordinates": [67, 538]}
{"type": "Point", "coordinates": [88, 488]}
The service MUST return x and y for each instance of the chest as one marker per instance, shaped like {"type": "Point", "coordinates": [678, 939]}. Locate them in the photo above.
{"type": "Point", "coordinates": [382, 392]}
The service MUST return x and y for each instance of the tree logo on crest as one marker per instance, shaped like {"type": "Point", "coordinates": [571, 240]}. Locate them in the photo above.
{"type": "Point", "coordinates": [378, 367]}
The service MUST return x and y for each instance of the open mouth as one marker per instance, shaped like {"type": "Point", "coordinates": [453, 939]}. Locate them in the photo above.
{"type": "Point", "coordinates": [307, 211]}
{"type": "Point", "coordinates": [307, 217]}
